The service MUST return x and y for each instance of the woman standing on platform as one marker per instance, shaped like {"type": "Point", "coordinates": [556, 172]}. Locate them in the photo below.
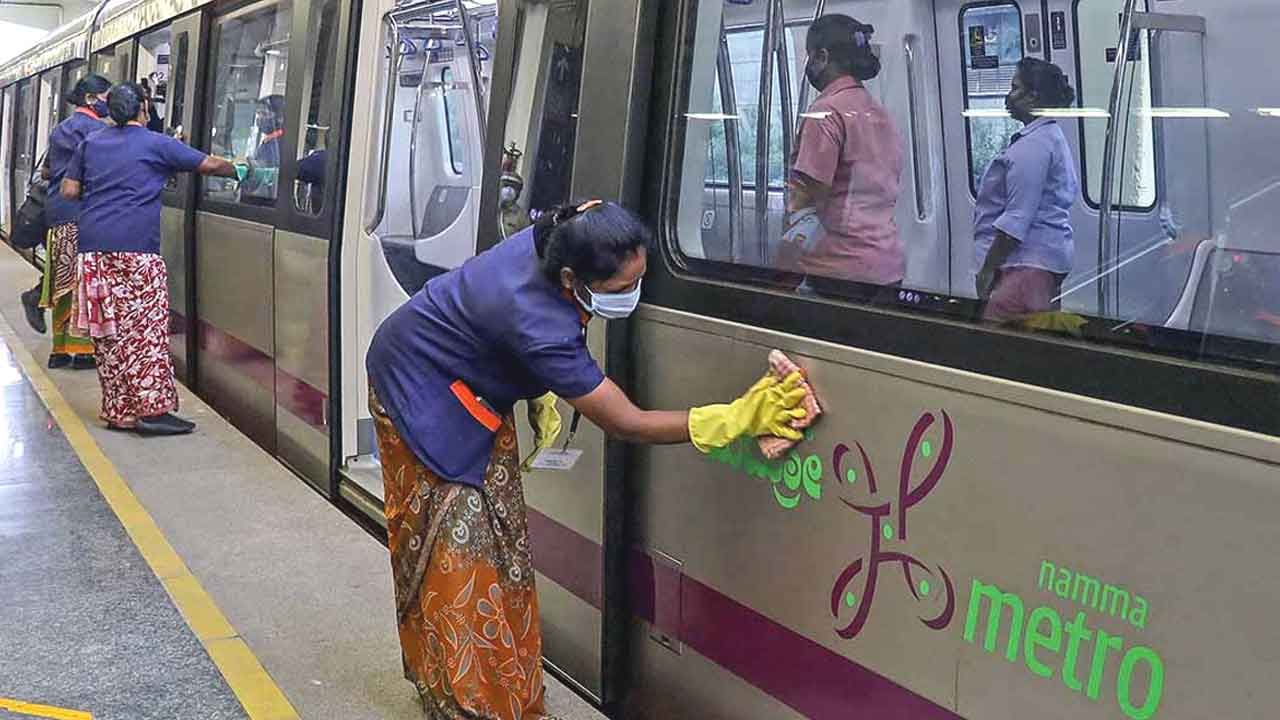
{"type": "Point", "coordinates": [445, 370]}
{"type": "Point", "coordinates": [123, 299]}
{"type": "Point", "coordinates": [90, 98]}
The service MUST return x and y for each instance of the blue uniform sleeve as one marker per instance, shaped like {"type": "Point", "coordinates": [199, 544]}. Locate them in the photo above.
{"type": "Point", "coordinates": [1027, 172]}
{"type": "Point", "coordinates": [566, 369]}
{"type": "Point", "coordinates": [177, 155]}
{"type": "Point", "coordinates": [75, 167]}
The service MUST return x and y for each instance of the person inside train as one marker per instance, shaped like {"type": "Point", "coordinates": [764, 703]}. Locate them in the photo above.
{"type": "Point", "coordinates": [123, 300]}
{"type": "Point", "coordinates": [155, 123]}
{"type": "Point", "coordinates": [1022, 219]}
{"type": "Point", "coordinates": [89, 96]}
{"type": "Point", "coordinates": [846, 167]}
{"type": "Point", "coordinates": [262, 164]}
{"type": "Point", "coordinates": [445, 370]}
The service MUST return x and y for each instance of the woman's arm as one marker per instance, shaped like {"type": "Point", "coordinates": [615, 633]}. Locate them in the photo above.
{"type": "Point", "coordinates": [611, 409]}
{"type": "Point", "coordinates": [216, 166]}
{"type": "Point", "coordinates": [767, 408]}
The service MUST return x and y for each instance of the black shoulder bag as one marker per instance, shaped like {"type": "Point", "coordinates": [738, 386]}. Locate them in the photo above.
{"type": "Point", "coordinates": [29, 226]}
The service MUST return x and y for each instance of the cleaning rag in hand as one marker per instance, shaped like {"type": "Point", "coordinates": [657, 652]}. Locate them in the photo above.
{"type": "Point", "coordinates": [781, 366]}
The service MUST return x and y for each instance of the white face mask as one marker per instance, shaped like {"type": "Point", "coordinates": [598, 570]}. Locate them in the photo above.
{"type": "Point", "coordinates": [611, 306]}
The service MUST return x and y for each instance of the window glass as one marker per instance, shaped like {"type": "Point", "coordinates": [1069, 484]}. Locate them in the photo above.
{"type": "Point", "coordinates": [991, 36]}
{"type": "Point", "coordinates": [1188, 270]}
{"type": "Point", "coordinates": [319, 108]}
{"type": "Point", "coordinates": [178, 87]}
{"type": "Point", "coordinates": [153, 71]}
{"type": "Point", "coordinates": [1137, 163]}
{"type": "Point", "coordinates": [24, 135]}
{"type": "Point", "coordinates": [74, 73]}
{"type": "Point", "coordinates": [452, 121]}
{"type": "Point", "coordinates": [50, 106]}
{"type": "Point", "coordinates": [247, 124]}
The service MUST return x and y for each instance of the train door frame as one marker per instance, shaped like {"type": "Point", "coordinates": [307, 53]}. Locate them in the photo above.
{"type": "Point", "coordinates": [609, 161]}
{"type": "Point", "coordinates": [297, 233]}
{"type": "Point", "coordinates": [180, 196]}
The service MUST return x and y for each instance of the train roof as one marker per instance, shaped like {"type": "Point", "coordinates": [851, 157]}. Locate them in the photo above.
{"type": "Point", "coordinates": [115, 21]}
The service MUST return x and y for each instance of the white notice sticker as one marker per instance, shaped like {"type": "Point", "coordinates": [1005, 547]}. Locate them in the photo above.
{"type": "Point", "coordinates": [556, 460]}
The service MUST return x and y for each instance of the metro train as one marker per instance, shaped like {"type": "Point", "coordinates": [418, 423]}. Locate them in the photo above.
{"type": "Point", "coordinates": [1068, 520]}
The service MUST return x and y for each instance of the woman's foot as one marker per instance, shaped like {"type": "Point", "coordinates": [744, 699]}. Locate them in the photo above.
{"type": "Point", "coordinates": [166, 424]}
{"type": "Point", "coordinates": [31, 306]}
{"type": "Point", "coordinates": [83, 362]}
{"type": "Point", "coordinates": [59, 360]}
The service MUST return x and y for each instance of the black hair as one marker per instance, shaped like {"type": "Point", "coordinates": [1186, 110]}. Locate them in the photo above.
{"type": "Point", "coordinates": [273, 103]}
{"type": "Point", "coordinates": [594, 242]}
{"type": "Point", "coordinates": [95, 84]}
{"type": "Point", "coordinates": [1047, 81]}
{"type": "Point", "coordinates": [125, 102]}
{"type": "Point", "coordinates": [848, 42]}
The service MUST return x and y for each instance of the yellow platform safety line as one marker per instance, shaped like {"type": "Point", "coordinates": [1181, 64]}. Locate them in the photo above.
{"type": "Point", "coordinates": [42, 711]}
{"type": "Point", "coordinates": [261, 698]}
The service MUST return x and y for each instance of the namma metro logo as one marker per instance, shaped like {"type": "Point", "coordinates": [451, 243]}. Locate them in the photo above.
{"type": "Point", "coordinates": [887, 521]}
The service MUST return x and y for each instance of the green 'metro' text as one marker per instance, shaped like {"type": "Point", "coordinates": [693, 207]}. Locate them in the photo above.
{"type": "Point", "coordinates": [1080, 655]}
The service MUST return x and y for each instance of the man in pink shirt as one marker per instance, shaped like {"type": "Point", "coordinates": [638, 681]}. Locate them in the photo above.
{"type": "Point", "coordinates": [847, 166]}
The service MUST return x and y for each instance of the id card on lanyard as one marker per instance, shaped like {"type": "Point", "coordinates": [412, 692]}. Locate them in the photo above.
{"type": "Point", "coordinates": [562, 460]}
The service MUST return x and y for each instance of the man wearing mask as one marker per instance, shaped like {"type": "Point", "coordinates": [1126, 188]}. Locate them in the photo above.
{"type": "Point", "coordinates": [261, 167]}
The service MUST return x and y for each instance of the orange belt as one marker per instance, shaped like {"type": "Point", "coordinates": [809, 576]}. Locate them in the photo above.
{"type": "Point", "coordinates": [482, 414]}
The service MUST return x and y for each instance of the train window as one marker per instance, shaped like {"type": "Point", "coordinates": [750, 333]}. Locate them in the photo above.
{"type": "Point", "coordinates": [1136, 163]}
{"type": "Point", "coordinates": [178, 87]}
{"type": "Point", "coordinates": [152, 72]}
{"type": "Point", "coordinates": [744, 46]}
{"type": "Point", "coordinates": [1170, 281]}
{"type": "Point", "coordinates": [991, 38]}
{"type": "Point", "coordinates": [319, 107]}
{"type": "Point", "coordinates": [73, 74]}
{"type": "Point", "coordinates": [542, 120]}
{"type": "Point", "coordinates": [251, 59]}
{"type": "Point", "coordinates": [453, 123]}
{"type": "Point", "coordinates": [24, 138]}
{"type": "Point", "coordinates": [50, 105]}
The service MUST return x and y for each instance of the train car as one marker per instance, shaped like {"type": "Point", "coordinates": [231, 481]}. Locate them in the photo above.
{"type": "Point", "coordinates": [1068, 514]}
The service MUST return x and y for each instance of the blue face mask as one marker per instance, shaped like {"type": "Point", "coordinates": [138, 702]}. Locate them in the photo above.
{"type": "Point", "coordinates": [100, 109]}
{"type": "Point", "coordinates": [611, 306]}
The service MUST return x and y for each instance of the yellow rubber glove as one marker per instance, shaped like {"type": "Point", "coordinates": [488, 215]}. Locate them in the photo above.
{"type": "Point", "coordinates": [546, 422]}
{"type": "Point", "coordinates": [766, 409]}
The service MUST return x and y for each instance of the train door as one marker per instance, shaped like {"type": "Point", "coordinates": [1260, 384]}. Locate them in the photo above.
{"type": "Point", "coordinates": [115, 63]}
{"type": "Point", "coordinates": [980, 44]}
{"type": "Point", "coordinates": [261, 241]}
{"type": "Point", "coordinates": [177, 213]}
{"type": "Point", "coordinates": [23, 152]}
{"type": "Point", "coordinates": [304, 236]}
{"type": "Point", "coordinates": [420, 160]}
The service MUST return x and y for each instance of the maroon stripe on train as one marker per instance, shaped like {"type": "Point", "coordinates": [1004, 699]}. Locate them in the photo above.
{"type": "Point", "coordinates": [808, 677]}
{"type": "Point", "coordinates": [294, 394]}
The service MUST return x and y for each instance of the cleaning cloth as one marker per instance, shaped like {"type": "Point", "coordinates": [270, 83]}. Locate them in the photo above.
{"type": "Point", "coordinates": [772, 446]}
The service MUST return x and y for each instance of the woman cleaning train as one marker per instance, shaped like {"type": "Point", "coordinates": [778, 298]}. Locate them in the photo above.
{"type": "Point", "coordinates": [122, 300]}
{"type": "Point", "coordinates": [89, 96]}
{"type": "Point", "coordinates": [1022, 219]}
{"type": "Point", "coordinates": [445, 370]}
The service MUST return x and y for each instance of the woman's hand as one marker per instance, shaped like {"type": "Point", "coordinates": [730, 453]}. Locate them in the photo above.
{"type": "Point", "coordinates": [767, 408]}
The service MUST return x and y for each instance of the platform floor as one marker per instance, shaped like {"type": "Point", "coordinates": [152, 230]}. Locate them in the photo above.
{"type": "Point", "coordinates": [177, 578]}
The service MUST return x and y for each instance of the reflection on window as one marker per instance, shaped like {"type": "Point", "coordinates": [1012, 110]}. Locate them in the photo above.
{"type": "Point", "coordinates": [991, 39]}
{"type": "Point", "coordinates": [319, 109]}
{"type": "Point", "coordinates": [1135, 157]}
{"type": "Point", "coordinates": [251, 59]}
{"type": "Point", "coordinates": [452, 123]}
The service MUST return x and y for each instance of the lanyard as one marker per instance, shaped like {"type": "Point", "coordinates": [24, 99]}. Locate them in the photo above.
{"type": "Point", "coordinates": [573, 429]}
